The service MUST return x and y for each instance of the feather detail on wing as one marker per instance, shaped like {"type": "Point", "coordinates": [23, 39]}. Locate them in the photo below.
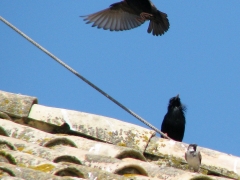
{"type": "Point", "coordinates": [200, 157]}
{"type": "Point", "coordinates": [114, 20]}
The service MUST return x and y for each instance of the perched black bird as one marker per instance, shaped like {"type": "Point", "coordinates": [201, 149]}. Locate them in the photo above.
{"type": "Point", "coordinates": [129, 14]}
{"type": "Point", "coordinates": [174, 121]}
{"type": "Point", "coordinates": [193, 157]}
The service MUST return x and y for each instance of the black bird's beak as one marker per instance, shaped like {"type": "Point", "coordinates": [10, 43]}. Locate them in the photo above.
{"type": "Point", "coordinates": [177, 96]}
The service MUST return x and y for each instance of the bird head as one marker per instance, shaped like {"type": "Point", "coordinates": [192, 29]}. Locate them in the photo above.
{"type": "Point", "coordinates": [174, 102]}
{"type": "Point", "coordinates": [192, 147]}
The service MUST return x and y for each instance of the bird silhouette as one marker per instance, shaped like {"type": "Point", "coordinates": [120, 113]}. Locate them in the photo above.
{"type": "Point", "coordinates": [173, 124]}
{"type": "Point", "coordinates": [129, 14]}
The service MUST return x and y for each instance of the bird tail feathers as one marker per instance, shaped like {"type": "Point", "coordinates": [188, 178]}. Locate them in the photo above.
{"type": "Point", "coordinates": [159, 25]}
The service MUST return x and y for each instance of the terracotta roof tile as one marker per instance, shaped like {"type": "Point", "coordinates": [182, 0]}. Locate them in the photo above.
{"type": "Point", "coordinates": [52, 143]}
{"type": "Point", "coordinates": [102, 128]}
{"type": "Point", "coordinates": [16, 105]}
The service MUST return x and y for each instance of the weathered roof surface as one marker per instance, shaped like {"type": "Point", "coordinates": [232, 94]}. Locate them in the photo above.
{"type": "Point", "coordinates": [53, 143]}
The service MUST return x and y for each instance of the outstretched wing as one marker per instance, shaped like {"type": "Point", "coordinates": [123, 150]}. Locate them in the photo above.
{"type": "Point", "coordinates": [117, 17]}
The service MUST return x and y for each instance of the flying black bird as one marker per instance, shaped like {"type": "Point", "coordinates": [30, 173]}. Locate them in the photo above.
{"type": "Point", "coordinates": [174, 121]}
{"type": "Point", "coordinates": [193, 157]}
{"type": "Point", "coordinates": [129, 14]}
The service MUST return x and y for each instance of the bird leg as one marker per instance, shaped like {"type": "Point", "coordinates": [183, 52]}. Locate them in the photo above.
{"type": "Point", "coordinates": [165, 134]}
{"type": "Point", "coordinates": [144, 16]}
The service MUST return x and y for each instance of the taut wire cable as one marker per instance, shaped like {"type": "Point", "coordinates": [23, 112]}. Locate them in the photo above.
{"type": "Point", "coordinates": [81, 77]}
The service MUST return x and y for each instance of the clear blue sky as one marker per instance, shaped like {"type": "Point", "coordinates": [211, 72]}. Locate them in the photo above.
{"type": "Point", "coordinates": [199, 58]}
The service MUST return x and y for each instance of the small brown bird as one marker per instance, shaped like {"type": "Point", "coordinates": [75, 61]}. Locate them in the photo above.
{"type": "Point", "coordinates": [193, 157]}
{"type": "Point", "coordinates": [129, 14]}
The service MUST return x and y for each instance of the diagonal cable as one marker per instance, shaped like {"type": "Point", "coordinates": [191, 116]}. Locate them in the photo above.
{"type": "Point", "coordinates": [81, 77]}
